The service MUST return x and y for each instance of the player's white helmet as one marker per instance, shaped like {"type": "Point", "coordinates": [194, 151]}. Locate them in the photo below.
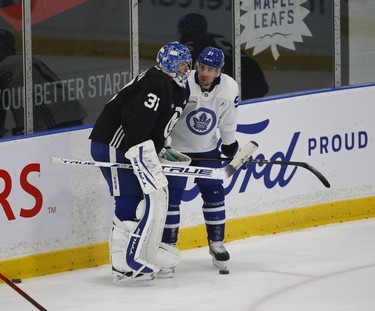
{"type": "Point", "coordinates": [169, 58]}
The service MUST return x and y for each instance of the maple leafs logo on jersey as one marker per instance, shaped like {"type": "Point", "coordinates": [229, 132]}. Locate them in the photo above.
{"type": "Point", "coordinates": [267, 23]}
{"type": "Point", "coordinates": [201, 123]}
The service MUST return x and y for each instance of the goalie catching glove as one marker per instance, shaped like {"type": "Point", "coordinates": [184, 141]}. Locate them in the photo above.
{"type": "Point", "coordinates": [168, 155]}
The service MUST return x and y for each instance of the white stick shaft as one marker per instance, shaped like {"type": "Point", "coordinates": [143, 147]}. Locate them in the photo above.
{"type": "Point", "coordinates": [172, 170]}
{"type": "Point", "coordinates": [180, 170]}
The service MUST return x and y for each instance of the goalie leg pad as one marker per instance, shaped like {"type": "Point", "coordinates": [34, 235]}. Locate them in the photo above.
{"type": "Point", "coordinates": [127, 242]}
{"type": "Point", "coordinates": [168, 256]}
{"type": "Point", "coordinates": [118, 241]}
{"type": "Point", "coordinates": [143, 248]}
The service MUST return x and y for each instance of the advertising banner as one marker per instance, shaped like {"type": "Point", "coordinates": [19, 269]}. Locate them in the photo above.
{"type": "Point", "coordinates": [35, 201]}
{"type": "Point", "coordinates": [332, 131]}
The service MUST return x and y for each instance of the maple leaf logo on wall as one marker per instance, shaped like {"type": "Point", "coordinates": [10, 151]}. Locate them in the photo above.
{"type": "Point", "coordinates": [269, 23]}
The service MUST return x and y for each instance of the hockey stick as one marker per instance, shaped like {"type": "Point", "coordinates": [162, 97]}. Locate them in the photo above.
{"type": "Point", "coordinates": [21, 292]}
{"type": "Point", "coordinates": [305, 165]}
{"type": "Point", "coordinates": [180, 170]}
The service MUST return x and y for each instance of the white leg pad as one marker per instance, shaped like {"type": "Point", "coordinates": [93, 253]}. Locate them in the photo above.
{"type": "Point", "coordinates": [143, 253]}
{"type": "Point", "coordinates": [135, 245]}
{"type": "Point", "coordinates": [118, 242]}
{"type": "Point", "coordinates": [151, 251]}
{"type": "Point", "coordinates": [148, 248]}
{"type": "Point", "coordinates": [168, 256]}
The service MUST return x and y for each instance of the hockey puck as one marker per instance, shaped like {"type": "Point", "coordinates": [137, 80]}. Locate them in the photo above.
{"type": "Point", "coordinates": [16, 281]}
{"type": "Point", "coordinates": [224, 271]}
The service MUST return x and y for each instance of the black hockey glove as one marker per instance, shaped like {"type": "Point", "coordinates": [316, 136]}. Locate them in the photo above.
{"type": "Point", "coordinates": [231, 150]}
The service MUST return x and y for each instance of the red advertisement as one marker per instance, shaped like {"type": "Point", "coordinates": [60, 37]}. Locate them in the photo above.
{"type": "Point", "coordinates": [40, 10]}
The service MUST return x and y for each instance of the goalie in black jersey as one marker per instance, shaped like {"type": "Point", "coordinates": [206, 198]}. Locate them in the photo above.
{"type": "Point", "coordinates": [132, 129]}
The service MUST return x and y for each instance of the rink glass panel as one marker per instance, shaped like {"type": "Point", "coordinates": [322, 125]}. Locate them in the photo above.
{"type": "Point", "coordinates": [85, 47]}
{"type": "Point", "coordinates": [86, 44]}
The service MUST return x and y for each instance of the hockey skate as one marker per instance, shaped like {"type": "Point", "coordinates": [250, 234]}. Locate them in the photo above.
{"type": "Point", "coordinates": [220, 255]}
{"type": "Point", "coordinates": [127, 279]}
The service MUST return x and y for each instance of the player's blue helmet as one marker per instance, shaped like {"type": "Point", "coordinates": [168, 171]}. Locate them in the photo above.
{"type": "Point", "coordinates": [169, 58]}
{"type": "Point", "coordinates": [212, 57]}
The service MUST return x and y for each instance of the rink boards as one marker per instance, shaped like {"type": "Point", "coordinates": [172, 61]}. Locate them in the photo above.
{"type": "Point", "coordinates": [55, 218]}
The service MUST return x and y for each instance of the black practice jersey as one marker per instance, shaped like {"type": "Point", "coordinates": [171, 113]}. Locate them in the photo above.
{"type": "Point", "coordinates": [146, 108]}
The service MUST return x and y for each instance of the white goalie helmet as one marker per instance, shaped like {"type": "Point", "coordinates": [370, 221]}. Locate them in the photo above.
{"type": "Point", "coordinates": [169, 59]}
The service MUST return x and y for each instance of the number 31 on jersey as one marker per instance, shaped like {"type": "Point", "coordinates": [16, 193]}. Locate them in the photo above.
{"type": "Point", "coordinates": [152, 101]}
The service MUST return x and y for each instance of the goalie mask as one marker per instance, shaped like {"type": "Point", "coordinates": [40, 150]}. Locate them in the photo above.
{"type": "Point", "coordinates": [172, 58]}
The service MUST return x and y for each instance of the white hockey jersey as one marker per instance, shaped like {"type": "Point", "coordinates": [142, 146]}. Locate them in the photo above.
{"type": "Point", "coordinates": [206, 113]}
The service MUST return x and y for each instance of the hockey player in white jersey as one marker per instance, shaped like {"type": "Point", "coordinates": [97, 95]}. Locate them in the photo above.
{"type": "Point", "coordinates": [212, 106]}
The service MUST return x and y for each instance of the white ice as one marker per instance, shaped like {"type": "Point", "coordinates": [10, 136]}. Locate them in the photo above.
{"type": "Point", "coordinates": [326, 268]}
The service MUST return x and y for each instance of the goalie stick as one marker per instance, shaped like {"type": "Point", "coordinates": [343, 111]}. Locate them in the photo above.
{"type": "Point", "coordinates": [179, 170]}
{"type": "Point", "coordinates": [305, 165]}
{"type": "Point", "coordinates": [22, 293]}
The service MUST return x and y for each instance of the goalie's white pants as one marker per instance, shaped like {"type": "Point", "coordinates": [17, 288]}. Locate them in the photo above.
{"type": "Point", "coordinates": [135, 246]}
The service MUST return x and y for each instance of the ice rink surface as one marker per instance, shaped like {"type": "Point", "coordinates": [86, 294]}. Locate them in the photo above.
{"type": "Point", "coordinates": [326, 268]}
